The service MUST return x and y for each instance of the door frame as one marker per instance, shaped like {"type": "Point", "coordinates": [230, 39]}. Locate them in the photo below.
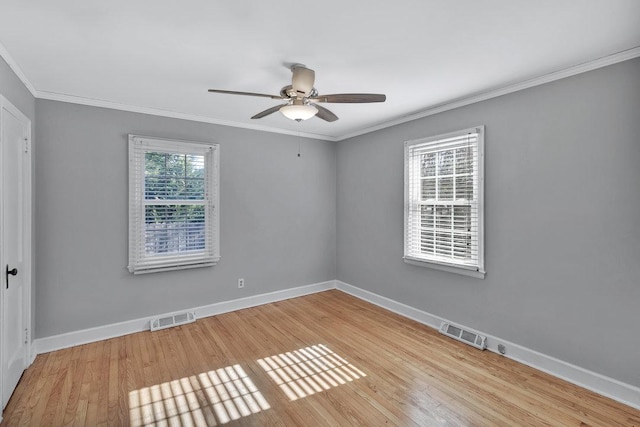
{"type": "Point", "coordinates": [27, 224]}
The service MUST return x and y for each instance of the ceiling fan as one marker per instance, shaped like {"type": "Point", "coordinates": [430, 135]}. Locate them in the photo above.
{"type": "Point", "coordinates": [302, 98]}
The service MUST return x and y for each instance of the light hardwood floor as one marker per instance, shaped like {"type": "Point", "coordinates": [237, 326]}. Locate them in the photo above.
{"type": "Point", "coordinates": [323, 359]}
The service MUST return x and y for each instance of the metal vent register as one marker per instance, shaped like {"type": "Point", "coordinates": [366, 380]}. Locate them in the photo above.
{"type": "Point", "coordinates": [169, 320]}
{"type": "Point", "coordinates": [466, 336]}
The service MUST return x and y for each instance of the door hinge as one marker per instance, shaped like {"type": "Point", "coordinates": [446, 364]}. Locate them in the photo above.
{"type": "Point", "coordinates": [26, 336]}
{"type": "Point", "coordinates": [26, 145]}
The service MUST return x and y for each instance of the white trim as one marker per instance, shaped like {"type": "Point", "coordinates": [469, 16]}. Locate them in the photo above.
{"type": "Point", "coordinates": [27, 264]}
{"type": "Point", "coordinates": [503, 90]}
{"type": "Point", "coordinates": [52, 96]}
{"type": "Point", "coordinates": [139, 261]}
{"type": "Point", "coordinates": [177, 267]}
{"type": "Point", "coordinates": [609, 387]}
{"type": "Point", "coordinates": [85, 336]}
{"type": "Point", "coordinates": [457, 269]}
{"type": "Point", "coordinates": [412, 197]}
{"type": "Point", "coordinates": [4, 54]}
{"type": "Point", "coordinates": [606, 386]}
{"type": "Point", "coordinates": [28, 237]}
{"type": "Point", "coordinates": [450, 105]}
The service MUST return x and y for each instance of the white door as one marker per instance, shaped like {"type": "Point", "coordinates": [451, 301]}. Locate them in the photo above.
{"type": "Point", "coordinates": [15, 247]}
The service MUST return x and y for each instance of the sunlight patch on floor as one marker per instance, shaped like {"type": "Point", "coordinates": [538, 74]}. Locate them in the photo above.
{"type": "Point", "coordinates": [207, 399]}
{"type": "Point", "coordinates": [306, 371]}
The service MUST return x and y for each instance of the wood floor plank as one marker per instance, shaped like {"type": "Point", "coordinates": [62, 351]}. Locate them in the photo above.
{"type": "Point", "coordinates": [395, 386]}
{"type": "Point", "coordinates": [406, 376]}
{"type": "Point", "coordinates": [67, 413]}
{"type": "Point", "coordinates": [323, 359]}
{"type": "Point", "coordinates": [22, 403]}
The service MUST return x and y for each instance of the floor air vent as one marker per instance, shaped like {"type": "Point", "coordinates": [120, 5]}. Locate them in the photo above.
{"type": "Point", "coordinates": [464, 335]}
{"type": "Point", "coordinates": [170, 320]}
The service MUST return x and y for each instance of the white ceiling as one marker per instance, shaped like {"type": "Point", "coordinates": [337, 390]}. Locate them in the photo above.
{"type": "Point", "coordinates": [164, 55]}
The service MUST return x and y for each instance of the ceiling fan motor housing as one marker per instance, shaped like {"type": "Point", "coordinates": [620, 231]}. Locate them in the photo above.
{"type": "Point", "coordinates": [302, 81]}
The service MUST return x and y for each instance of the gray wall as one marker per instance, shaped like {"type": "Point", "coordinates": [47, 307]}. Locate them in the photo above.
{"type": "Point", "coordinates": [278, 218]}
{"type": "Point", "coordinates": [562, 220]}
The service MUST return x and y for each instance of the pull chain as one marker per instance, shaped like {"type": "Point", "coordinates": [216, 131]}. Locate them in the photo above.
{"type": "Point", "coordinates": [299, 139]}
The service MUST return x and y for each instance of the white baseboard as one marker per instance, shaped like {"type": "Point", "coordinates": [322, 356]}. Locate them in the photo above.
{"type": "Point", "coordinates": [609, 387]}
{"type": "Point", "coordinates": [85, 336]}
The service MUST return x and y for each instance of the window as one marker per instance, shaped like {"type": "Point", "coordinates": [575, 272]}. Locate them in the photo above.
{"type": "Point", "coordinates": [443, 202]}
{"type": "Point", "coordinates": [173, 204]}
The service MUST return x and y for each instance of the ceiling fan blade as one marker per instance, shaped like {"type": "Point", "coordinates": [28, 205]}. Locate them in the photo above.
{"type": "Point", "coordinates": [268, 111]}
{"type": "Point", "coordinates": [347, 98]}
{"type": "Point", "coordinates": [233, 92]}
{"type": "Point", "coordinates": [325, 114]}
{"type": "Point", "coordinates": [302, 80]}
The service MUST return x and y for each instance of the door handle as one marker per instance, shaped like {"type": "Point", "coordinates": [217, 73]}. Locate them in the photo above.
{"type": "Point", "coordinates": [13, 272]}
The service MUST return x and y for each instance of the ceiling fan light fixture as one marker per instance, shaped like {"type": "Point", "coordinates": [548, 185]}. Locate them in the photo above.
{"type": "Point", "coordinates": [299, 112]}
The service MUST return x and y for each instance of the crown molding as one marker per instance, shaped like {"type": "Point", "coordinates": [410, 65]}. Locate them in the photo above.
{"type": "Point", "coordinates": [504, 90]}
{"type": "Point", "coordinates": [4, 54]}
{"type": "Point", "coordinates": [457, 103]}
{"type": "Point", "coordinates": [52, 96]}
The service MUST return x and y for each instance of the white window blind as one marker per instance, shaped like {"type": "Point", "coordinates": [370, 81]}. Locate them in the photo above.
{"type": "Point", "coordinates": [173, 204]}
{"type": "Point", "coordinates": [443, 200]}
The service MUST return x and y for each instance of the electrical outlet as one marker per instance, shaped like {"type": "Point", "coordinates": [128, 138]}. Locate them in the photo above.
{"type": "Point", "coordinates": [240, 283]}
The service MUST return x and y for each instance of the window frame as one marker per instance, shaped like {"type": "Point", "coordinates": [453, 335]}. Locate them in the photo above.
{"type": "Point", "coordinates": [476, 270]}
{"type": "Point", "coordinates": [139, 262]}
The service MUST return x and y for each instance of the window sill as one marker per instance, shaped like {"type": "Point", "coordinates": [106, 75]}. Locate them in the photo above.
{"type": "Point", "coordinates": [159, 268]}
{"type": "Point", "coordinates": [446, 267]}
